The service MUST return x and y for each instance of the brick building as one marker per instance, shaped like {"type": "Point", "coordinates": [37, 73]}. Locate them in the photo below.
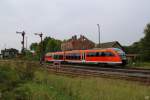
{"type": "Point", "coordinates": [75, 43]}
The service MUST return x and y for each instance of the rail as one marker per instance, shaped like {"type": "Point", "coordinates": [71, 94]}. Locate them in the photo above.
{"type": "Point", "coordinates": [140, 75]}
{"type": "Point", "coordinates": [133, 74]}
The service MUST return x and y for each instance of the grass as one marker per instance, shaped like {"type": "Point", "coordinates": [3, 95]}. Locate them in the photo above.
{"type": "Point", "coordinates": [22, 81]}
{"type": "Point", "coordinates": [140, 64]}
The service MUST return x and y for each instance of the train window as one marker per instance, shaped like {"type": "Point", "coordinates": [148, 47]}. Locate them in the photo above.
{"type": "Point", "coordinates": [91, 54]}
{"type": "Point", "coordinates": [95, 54]}
{"type": "Point", "coordinates": [58, 56]}
{"type": "Point", "coordinates": [74, 56]}
{"type": "Point", "coordinates": [77, 56]}
{"type": "Point", "coordinates": [99, 54]}
{"type": "Point", "coordinates": [103, 54]}
{"type": "Point", "coordinates": [55, 57]}
{"type": "Point", "coordinates": [109, 54]}
{"type": "Point", "coordinates": [67, 57]}
{"type": "Point", "coordinates": [70, 56]}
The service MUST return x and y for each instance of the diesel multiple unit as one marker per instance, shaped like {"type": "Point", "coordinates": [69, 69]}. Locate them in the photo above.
{"type": "Point", "coordinates": [110, 56]}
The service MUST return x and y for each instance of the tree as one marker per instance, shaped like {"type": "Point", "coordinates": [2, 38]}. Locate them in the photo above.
{"type": "Point", "coordinates": [48, 45]}
{"type": "Point", "coordinates": [33, 46]}
{"type": "Point", "coordinates": [53, 45]}
{"type": "Point", "coordinates": [145, 44]}
{"type": "Point", "coordinates": [133, 49]}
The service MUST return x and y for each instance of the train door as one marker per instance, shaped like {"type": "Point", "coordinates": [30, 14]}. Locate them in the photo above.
{"type": "Point", "coordinates": [83, 56]}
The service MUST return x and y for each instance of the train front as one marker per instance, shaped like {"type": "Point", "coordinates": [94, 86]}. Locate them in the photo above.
{"type": "Point", "coordinates": [122, 55]}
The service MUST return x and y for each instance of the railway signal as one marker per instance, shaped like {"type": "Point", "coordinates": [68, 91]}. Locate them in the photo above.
{"type": "Point", "coordinates": [42, 47]}
{"type": "Point", "coordinates": [22, 42]}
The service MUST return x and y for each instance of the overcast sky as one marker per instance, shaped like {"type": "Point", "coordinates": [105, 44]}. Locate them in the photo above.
{"type": "Point", "coordinates": [120, 20]}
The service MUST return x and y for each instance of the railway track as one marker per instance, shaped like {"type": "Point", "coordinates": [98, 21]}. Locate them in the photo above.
{"type": "Point", "coordinates": [121, 70]}
{"type": "Point", "coordinates": [133, 74]}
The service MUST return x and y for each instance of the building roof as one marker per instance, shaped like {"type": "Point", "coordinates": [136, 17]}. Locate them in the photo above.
{"type": "Point", "coordinates": [9, 50]}
{"type": "Point", "coordinates": [77, 43]}
{"type": "Point", "coordinates": [110, 44]}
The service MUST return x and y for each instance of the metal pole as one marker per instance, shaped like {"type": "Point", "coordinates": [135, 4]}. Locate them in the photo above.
{"type": "Point", "coordinates": [98, 35]}
{"type": "Point", "coordinates": [42, 47]}
{"type": "Point", "coordinates": [23, 34]}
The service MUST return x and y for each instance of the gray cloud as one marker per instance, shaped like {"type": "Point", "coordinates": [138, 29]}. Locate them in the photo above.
{"type": "Point", "coordinates": [121, 20]}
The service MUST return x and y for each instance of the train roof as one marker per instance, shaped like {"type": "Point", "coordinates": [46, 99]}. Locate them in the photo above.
{"type": "Point", "coordinates": [94, 49]}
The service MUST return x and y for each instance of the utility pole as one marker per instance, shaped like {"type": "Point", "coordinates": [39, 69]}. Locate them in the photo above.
{"type": "Point", "coordinates": [22, 42]}
{"type": "Point", "coordinates": [98, 35]}
{"type": "Point", "coordinates": [42, 47]}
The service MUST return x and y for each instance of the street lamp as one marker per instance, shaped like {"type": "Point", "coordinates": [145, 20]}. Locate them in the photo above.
{"type": "Point", "coordinates": [42, 47]}
{"type": "Point", "coordinates": [98, 35]}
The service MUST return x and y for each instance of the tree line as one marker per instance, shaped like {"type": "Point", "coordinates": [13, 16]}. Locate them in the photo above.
{"type": "Point", "coordinates": [141, 47]}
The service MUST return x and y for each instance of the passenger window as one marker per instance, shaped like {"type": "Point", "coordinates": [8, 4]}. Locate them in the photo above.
{"type": "Point", "coordinates": [67, 57]}
{"type": "Point", "coordinates": [97, 54]}
{"type": "Point", "coordinates": [61, 57]}
{"type": "Point", "coordinates": [109, 54]}
{"type": "Point", "coordinates": [103, 54]}
{"type": "Point", "coordinates": [91, 54]}
{"type": "Point", "coordinates": [55, 56]}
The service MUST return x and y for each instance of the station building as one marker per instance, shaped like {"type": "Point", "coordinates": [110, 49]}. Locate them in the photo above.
{"type": "Point", "coordinates": [83, 43]}
{"type": "Point", "coordinates": [9, 53]}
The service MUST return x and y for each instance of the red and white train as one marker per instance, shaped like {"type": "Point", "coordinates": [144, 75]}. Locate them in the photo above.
{"type": "Point", "coordinates": [110, 56]}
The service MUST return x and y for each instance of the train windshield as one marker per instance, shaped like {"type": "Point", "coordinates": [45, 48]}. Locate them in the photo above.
{"type": "Point", "coordinates": [121, 53]}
